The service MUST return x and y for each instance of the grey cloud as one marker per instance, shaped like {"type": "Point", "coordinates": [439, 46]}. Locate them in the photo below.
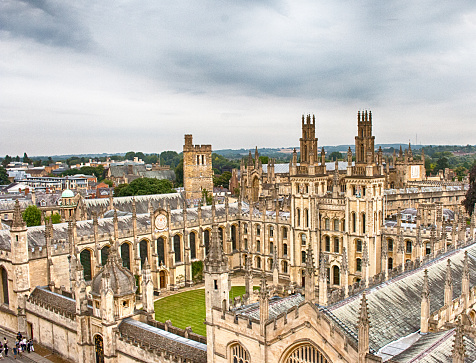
{"type": "Point", "coordinates": [47, 22]}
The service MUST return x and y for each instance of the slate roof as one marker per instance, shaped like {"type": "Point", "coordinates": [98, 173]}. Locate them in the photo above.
{"type": "Point", "coordinates": [53, 300]}
{"type": "Point", "coordinates": [435, 348]}
{"type": "Point", "coordinates": [277, 306]}
{"type": "Point", "coordinates": [394, 306]}
{"type": "Point", "coordinates": [163, 340]}
{"type": "Point", "coordinates": [5, 240]}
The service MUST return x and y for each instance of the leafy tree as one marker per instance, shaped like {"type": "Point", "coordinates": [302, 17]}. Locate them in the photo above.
{"type": "Point", "coordinates": [37, 163]}
{"type": "Point", "coordinates": [197, 270]}
{"type": "Point", "coordinates": [179, 174]}
{"type": "Point", "coordinates": [108, 182]}
{"type": "Point", "coordinates": [17, 158]}
{"type": "Point", "coordinates": [130, 155]}
{"type": "Point", "coordinates": [7, 160]}
{"type": "Point", "coordinates": [470, 200]}
{"type": "Point", "coordinates": [144, 186]}
{"type": "Point", "coordinates": [26, 159]}
{"type": "Point", "coordinates": [222, 180]}
{"type": "Point", "coordinates": [55, 218]}
{"type": "Point", "coordinates": [207, 197]}
{"type": "Point", "coordinates": [264, 159]}
{"type": "Point", "coordinates": [32, 216]}
{"type": "Point", "coordinates": [442, 163]}
{"type": "Point", "coordinates": [3, 176]}
{"type": "Point", "coordinates": [335, 155]}
{"type": "Point", "coordinates": [97, 171]}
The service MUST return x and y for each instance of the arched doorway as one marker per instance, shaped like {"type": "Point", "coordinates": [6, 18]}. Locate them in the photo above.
{"type": "Point", "coordinates": [4, 299]}
{"type": "Point", "coordinates": [162, 279]}
{"type": "Point", "coordinates": [99, 348]}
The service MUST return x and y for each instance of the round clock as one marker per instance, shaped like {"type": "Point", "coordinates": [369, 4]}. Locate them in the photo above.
{"type": "Point", "coordinates": [161, 222]}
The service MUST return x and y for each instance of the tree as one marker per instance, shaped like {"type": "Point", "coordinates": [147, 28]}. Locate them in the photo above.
{"type": "Point", "coordinates": [144, 186]}
{"type": "Point", "coordinates": [470, 200]}
{"type": "Point", "coordinates": [3, 176]}
{"type": "Point", "coordinates": [222, 180]}
{"type": "Point", "coordinates": [179, 174]}
{"type": "Point", "coordinates": [55, 218]}
{"type": "Point", "coordinates": [32, 216]}
{"type": "Point", "coordinates": [108, 182]}
{"type": "Point", "coordinates": [26, 159]}
{"type": "Point", "coordinates": [335, 155]}
{"type": "Point", "coordinates": [442, 163]}
{"type": "Point", "coordinates": [207, 197]}
{"type": "Point", "coordinates": [7, 160]}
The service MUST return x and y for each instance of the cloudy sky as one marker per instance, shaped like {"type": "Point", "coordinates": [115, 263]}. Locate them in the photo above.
{"type": "Point", "coordinates": [115, 76]}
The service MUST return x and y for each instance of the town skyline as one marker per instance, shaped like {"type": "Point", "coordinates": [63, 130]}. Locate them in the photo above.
{"type": "Point", "coordinates": [116, 77]}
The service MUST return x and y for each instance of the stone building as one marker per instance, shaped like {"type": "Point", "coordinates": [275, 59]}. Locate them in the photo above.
{"type": "Point", "coordinates": [197, 169]}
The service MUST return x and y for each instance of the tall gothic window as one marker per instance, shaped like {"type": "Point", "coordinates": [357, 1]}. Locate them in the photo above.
{"type": "Point", "coordinates": [409, 247]}
{"type": "Point", "coordinates": [306, 353]}
{"type": "Point", "coordinates": [193, 251]}
{"type": "Point", "coordinates": [126, 255]}
{"type": "Point", "coordinates": [358, 265]}
{"type": "Point", "coordinates": [4, 299]}
{"type": "Point", "coordinates": [390, 245]}
{"type": "Point", "coordinates": [233, 237]}
{"type": "Point", "coordinates": [358, 245]}
{"type": "Point", "coordinates": [161, 250]}
{"type": "Point", "coordinates": [336, 244]}
{"type": "Point", "coordinates": [104, 254]}
{"type": "Point", "coordinates": [206, 240]}
{"type": "Point", "coordinates": [85, 258]}
{"type": "Point", "coordinates": [328, 244]}
{"type": "Point", "coordinates": [178, 254]}
{"type": "Point", "coordinates": [336, 275]}
{"type": "Point", "coordinates": [239, 354]}
{"type": "Point", "coordinates": [143, 249]}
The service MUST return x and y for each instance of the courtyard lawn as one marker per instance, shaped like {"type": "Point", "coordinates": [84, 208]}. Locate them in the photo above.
{"type": "Point", "coordinates": [188, 308]}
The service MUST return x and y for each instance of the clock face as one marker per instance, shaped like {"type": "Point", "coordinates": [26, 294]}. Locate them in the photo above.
{"type": "Point", "coordinates": [161, 222]}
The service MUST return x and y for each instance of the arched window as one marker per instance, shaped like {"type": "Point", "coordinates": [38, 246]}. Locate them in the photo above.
{"type": "Point", "coordinates": [306, 353]}
{"type": "Point", "coordinates": [358, 245]}
{"type": "Point", "coordinates": [85, 258]}
{"type": "Point", "coordinates": [206, 240]}
{"type": "Point", "coordinates": [336, 224]}
{"type": "Point", "coordinates": [390, 263]}
{"type": "Point", "coordinates": [104, 254]}
{"type": "Point", "coordinates": [390, 245]}
{"type": "Point", "coordinates": [354, 222]}
{"type": "Point", "coordinates": [233, 237]}
{"type": "Point", "coordinates": [239, 354]}
{"type": "Point", "coordinates": [298, 217]}
{"type": "Point", "coordinates": [363, 223]}
{"type": "Point", "coordinates": [285, 267]}
{"type": "Point", "coordinates": [328, 244]}
{"type": "Point", "coordinates": [336, 245]}
{"type": "Point", "coordinates": [143, 251]}
{"type": "Point", "coordinates": [285, 233]}
{"type": "Point", "coordinates": [408, 247]}
{"type": "Point", "coordinates": [258, 230]}
{"type": "Point", "coordinates": [303, 256]}
{"type": "Point", "coordinates": [4, 299]}
{"type": "Point", "coordinates": [336, 275]}
{"type": "Point", "coordinates": [285, 249]}
{"type": "Point", "coordinates": [306, 218]}
{"type": "Point", "coordinates": [327, 223]}
{"type": "Point", "coordinates": [126, 255]}
{"type": "Point", "coordinates": [271, 231]}
{"type": "Point", "coordinates": [220, 235]}
{"type": "Point", "coordinates": [99, 348]}
{"type": "Point", "coordinates": [258, 262]}
{"type": "Point", "coordinates": [161, 250]}
{"type": "Point", "coordinates": [303, 239]}
{"type": "Point", "coordinates": [193, 251]}
{"type": "Point", "coordinates": [358, 265]}
{"type": "Point", "coordinates": [177, 249]}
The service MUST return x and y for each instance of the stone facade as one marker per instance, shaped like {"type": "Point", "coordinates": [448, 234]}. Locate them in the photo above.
{"type": "Point", "coordinates": [197, 169]}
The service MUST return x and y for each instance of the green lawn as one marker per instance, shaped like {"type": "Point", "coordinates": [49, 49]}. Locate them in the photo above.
{"type": "Point", "coordinates": [188, 308]}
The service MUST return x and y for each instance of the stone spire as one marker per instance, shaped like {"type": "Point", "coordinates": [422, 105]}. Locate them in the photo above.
{"type": "Point", "coordinates": [425, 305]}
{"type": "Point", "coordinates": [263, 303]}
{"type": "Point", "coordinates": [448, 285]}
{"type": "Point", "coordinates": [18, 222]}
{"type": "Point", "coordinates": [459, 350]}
{"type": "Point", "coordinates": [310, 281]}
{"type": "Point", "coordinates": [364, 327]}
{"type": "Point", "coordinates": [322, 281]}
{"type": "Point", "coordinates": [215, 261]}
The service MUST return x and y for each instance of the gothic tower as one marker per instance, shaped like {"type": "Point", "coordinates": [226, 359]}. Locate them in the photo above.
{"type": "Point", "coordinates": [364, 141]}
{"type": "Point", "coordinates": [308, 141]}
{"type": "Point", "coordinates": [197, 169]}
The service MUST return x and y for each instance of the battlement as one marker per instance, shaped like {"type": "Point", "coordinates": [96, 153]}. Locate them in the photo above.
{"type": "Point", "coordinates": [364, 116]}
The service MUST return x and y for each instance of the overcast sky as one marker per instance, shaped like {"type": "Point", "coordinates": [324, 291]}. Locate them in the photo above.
{"type": "Point", "coordinates": [115, 76]}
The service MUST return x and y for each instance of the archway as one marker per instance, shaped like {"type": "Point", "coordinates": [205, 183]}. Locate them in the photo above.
{"type": "Point", "coordinates": [99, 348]}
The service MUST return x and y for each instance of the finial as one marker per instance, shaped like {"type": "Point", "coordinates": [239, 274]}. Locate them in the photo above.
{"type": "Point", "coordinates": [364, 312]}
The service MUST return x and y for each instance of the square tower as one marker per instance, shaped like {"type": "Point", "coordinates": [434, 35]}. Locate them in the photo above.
{"type": "Point", "coordinates": [197, 169]}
